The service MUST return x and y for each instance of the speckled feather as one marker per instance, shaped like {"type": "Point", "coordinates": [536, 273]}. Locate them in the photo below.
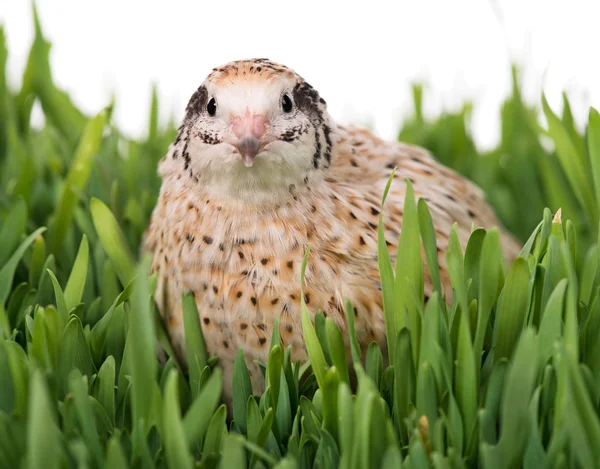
{"type": "Point", "coordinates": [241, 257]}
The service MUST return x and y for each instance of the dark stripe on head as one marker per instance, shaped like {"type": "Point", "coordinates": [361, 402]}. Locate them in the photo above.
{"type": "Point", "coordinates": [327, 132]}
{"type": "Point", "coordinates": [187, 161]}
{"type": "Point", "coordinates": [197, 103]}
{"type": "Point", "coordinates": [180, 147]}
{"type": "Point", "coordinates": [179, 134]}
{"type": "Point", "coordinates": [308, 100]}
{"type": "Point", "coordinates": [317, 155]}
{"type": "Point", "coordinates": [186, 155]}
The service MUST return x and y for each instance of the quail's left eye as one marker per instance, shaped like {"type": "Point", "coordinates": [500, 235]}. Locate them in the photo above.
{"type": "Point", "coordinates": [211, 107]}
{"type": "Point", "coordinates": [286, 103]}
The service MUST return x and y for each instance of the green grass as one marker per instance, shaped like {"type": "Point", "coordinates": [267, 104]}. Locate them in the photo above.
{"type": "Point", "coordinates": [507, 376]}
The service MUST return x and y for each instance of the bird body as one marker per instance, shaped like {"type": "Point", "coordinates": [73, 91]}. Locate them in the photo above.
{"type": "Point", "coordinates": [248, 187]}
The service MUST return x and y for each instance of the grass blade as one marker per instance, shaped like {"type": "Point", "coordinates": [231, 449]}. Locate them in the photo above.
{"type": "Point", "coordinates": [489, 282]}
{"type": "Point", "coordinates": [113, 241]}
{"type": "Point", "coordinates": [197, 418]}
{"type": "Point", "coordinates": [143, 347]}
{"type": "Point", "coordinates": [243, 386]}
{"type": "Point", "coordinates": [195, 346]}
{"type": "Point", "coordinates": [43, 434]}
{"type": "Point", "coordinates": [512, 309]}
{"type": "Point", "coordinates": [176, 447]}
{"type": "Point", "coordinates": [8, 270]}
{"type": "Point", "coordinates": [572, 162]}
{"type": "Point", "coordinates": [77, 179]}
{"type": "Point", "coordinates": [76, 282]}
{"type": "Point", "coordinates": [593, 144]}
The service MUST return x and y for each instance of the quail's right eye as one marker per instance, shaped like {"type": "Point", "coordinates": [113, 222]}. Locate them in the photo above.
{"type": "Point", "coordinates": [286, 103]}
{"type": "Point", "coordinates": [211, 107]}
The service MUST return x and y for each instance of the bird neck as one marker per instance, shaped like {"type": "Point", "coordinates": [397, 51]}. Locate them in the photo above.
{"type": "Point", "coordinates": [245, 197]}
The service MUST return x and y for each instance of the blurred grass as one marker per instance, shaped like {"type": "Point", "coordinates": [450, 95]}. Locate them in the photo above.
{"type": "Point", "coordinates": [506, 376]}
{"type": "Point", "coordinates": [520, 176]}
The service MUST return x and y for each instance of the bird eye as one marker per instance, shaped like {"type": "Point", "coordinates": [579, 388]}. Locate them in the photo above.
{"type": "Point", "coordinates": [211, 107]}
{"type": "Point", "coordinates": [286, 103]}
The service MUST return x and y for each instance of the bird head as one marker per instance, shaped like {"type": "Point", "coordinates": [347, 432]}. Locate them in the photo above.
{"type": "Point", "coordinates": [253, 130]}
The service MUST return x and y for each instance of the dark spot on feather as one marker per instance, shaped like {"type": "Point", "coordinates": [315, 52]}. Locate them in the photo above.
{"type": "Point", "coordinates": [275, 301]}
{"type": "Point", "coordinates": [253, 300]}
{"type": "Point", "coordinates": [207, 239]}
{"type": "Point", "coordinates": [239, 294]}
{"type": "Point", "coordinates": [262, 340]}
{"type": "Point", "coordinates": [206, 321]}
{"type": "Point", "coordinates": [215, 289]}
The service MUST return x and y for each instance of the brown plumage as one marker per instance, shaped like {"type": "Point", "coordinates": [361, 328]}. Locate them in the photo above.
{"type": "Point", "coordinates": [249, 183]}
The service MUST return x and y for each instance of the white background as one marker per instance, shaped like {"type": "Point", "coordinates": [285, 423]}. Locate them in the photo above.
{"type": "Point", "coordinates": [362, 56]}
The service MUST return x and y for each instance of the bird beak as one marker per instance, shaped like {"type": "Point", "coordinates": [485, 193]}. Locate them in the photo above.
{"type": "Point", "coordinates": [248, 147]}
{"type": "Point", "coordinates": [250, 140]}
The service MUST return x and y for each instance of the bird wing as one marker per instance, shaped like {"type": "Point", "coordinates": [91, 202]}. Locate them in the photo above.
{"type": "Point", "coordinates": [362, 165]}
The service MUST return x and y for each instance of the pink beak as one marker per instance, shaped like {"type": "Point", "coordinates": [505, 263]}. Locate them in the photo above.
{"type": "Point", "coordinates": [250, 132]}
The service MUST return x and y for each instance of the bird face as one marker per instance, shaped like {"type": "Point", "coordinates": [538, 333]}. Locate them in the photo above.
{"type": "Point", "coordinates": [254, 128]}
